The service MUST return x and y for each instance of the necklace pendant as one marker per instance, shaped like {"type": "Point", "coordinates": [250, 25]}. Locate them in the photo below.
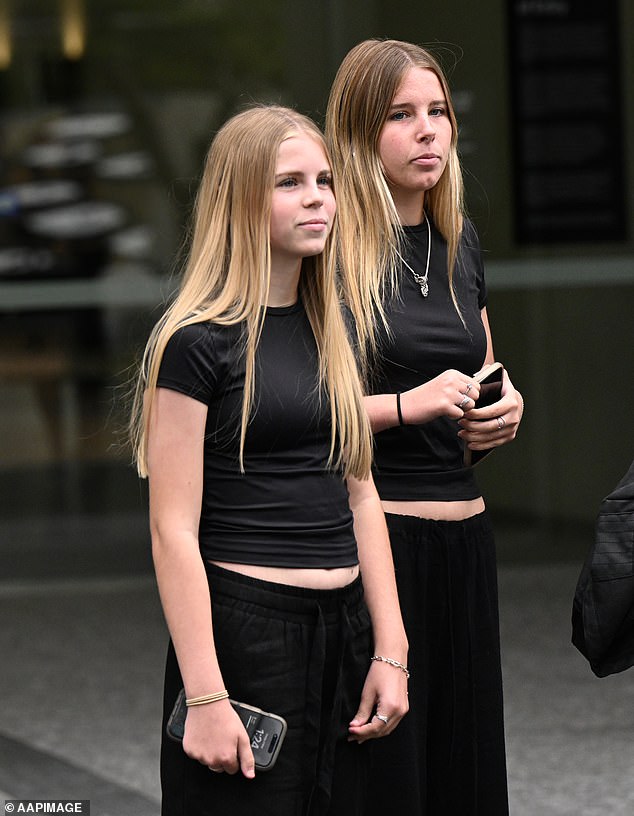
{"type": "Point", "coordinates": [421, 280]}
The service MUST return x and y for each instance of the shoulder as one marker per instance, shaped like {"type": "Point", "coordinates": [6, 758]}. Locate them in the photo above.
{"type": "Point", "coordinates": [196, 350]}
{"type": "Point", "coordinates": [203, 335]}
{"type": "Point", "coordinates": [470, 260]}
{"type": "Point", "coordinates": [469, 249]}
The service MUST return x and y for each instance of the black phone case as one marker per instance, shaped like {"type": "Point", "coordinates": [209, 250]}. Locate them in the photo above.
{"type": "Point", "coordinates": [490, 392]}
{"type": "Point", "coordinates": [266, 731]}
{"type": "Point", "coordinates": [490, 388]}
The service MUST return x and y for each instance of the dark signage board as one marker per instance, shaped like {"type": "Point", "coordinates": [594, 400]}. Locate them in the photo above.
{"type": "Point", "coordinates": [567, 121]}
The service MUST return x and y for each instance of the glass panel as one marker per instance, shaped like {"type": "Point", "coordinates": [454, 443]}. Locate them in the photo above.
{"type": "Point", "coordinates": [106, 111]}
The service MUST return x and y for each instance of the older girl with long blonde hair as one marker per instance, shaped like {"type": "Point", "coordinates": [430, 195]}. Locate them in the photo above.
{"type": "Point", "coordinates": [412, 275]}
{"type": "Point", "coordinates": [249, 423]}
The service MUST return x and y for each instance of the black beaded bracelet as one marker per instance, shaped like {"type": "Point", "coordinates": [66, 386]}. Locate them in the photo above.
{"type": "Point", "coordinates": [398, 408]}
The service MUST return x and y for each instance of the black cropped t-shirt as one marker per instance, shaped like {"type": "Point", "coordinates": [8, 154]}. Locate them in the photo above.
{"type": "Point", "coordinates": [287, 508]}
{"type": "Point", "coordinates": [427, 337]}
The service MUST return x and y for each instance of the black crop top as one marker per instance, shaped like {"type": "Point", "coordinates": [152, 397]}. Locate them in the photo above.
{"type": "Point", "coordinates": [424, 462]}
{"type": "Point", "coordinates": [287, 509]}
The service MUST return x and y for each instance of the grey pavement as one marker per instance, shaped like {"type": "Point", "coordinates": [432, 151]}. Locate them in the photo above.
{"type": "Point", "coordinates": [80, 694]}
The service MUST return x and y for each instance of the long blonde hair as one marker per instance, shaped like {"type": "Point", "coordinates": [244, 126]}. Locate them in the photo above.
{"type": "Point", "coordinates": [370, 232]}
{"type": "Point", "coordinates": [226, 280]}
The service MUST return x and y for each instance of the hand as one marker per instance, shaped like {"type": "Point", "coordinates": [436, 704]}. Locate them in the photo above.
{"type": "Point", "coordinates": [495, 425]}
{"type": "Point", "coordinates": [385, 693]}
{"type": "Point", "coordinates": [450, 394]}
{"type": "Point", "coordinates": [216, 737]}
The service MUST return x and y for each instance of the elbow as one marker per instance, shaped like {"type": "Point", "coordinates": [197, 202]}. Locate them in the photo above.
{"type": "Point", "coordinates": [169, 541]}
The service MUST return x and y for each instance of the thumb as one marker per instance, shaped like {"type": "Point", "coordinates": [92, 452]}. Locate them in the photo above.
{"type": "Point", "coordinates": [365, 710]}
{"type": "Point", "coordinates": [245, 756]}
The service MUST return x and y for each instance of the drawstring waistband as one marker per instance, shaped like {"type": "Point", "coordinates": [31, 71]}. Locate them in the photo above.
{"type": "Point", "coordinates": [327, 612]}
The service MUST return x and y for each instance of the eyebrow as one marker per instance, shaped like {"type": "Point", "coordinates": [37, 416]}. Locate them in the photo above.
{"type": "Point", "coordinates": [326, 171]}
{"type": "Point", "coordinates": [412, 105]}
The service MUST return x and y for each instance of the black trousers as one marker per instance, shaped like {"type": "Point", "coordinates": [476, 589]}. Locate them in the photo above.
{"type": "Point", "coordinates": [297, 652]}
{"type": "Point", "coordinates": [447, 756]}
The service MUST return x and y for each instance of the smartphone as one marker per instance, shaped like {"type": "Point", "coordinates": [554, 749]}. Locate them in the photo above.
{"type": "Point", "coordinates": [266, 731]}
{"type": "Point", "coordinates": [490, 379]}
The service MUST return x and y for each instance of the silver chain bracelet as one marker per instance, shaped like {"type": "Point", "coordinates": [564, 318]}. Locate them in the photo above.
{"type": "Point", "coordinates": [394, 663]}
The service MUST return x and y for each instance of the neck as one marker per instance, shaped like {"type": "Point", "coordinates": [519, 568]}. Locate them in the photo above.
{"type": "Point", "coordinates": [410, 208]}
{"type": "Point", "coordinates": [284, 283]}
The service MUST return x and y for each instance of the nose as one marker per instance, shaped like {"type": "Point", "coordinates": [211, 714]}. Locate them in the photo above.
{"type": "Point", "coordinates": [314, 196]}
{"type": "Point", "coordinates": [426, 131]}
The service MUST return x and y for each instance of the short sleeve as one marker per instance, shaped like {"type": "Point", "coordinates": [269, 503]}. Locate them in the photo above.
{"type": "Point", "coordinates": [191, 363]}
{"type": "Point", "coordinates": [471, 245]}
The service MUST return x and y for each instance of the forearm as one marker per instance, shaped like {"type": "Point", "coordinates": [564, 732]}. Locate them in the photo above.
{"type": "Point", "coordinates": [184, 593]}
{"type": "Point", "coordinates": [377, 570]}
{"type": "Point", "coordinates": [382, 411]}
{"type": "Point", "coordinates": [441, 396]}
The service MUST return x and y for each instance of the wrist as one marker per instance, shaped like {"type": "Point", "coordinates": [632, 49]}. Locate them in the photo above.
{"type": "Point", "coordinates": [390, 661]}
{"type": "Point", "coordinates": [206, 699]}
{"type": "Point", "coordinates": [202, 683]}
{"type": "Point", "coordinates": [394, 647]}
{"type": "Point", "coordinates": [399, 410]}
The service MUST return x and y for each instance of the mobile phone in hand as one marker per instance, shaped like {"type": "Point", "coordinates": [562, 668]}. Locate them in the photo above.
{"type": "Point", "coordinates": [490, 378]}
{"type": "Point", "coordinates": [266, 731]}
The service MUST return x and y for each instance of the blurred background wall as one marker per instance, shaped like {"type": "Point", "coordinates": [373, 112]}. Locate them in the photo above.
{"type": "Point", "coordinates": [106, 110]}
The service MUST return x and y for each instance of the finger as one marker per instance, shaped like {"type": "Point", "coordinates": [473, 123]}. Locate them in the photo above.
{"type": "Point", "coordinates": [380, 726]}
{"type": "Point", "coordinates": [245, 754]}
{"type": "Point", "coordinates": [392, 721]}
{"type": "Point", "coordinates": [362, 717]}
{"type": "Point", "coordinates": [366, 707]}
{"type": "Point", "coordinates": [465, 403]}
{"type": "Point", "coordinates": [231, 765]}
{"type": "Point", "coordinates": [385, 720]}
{"type": "Point", "coordinates": [370, 730]}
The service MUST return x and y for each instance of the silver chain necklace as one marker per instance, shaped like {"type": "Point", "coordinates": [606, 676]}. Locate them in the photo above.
{"type": "Point", "coordinates": [421, 280]}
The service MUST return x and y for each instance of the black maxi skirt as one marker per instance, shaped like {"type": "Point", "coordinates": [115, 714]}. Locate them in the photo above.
{"type": "Point", "coordinates": [297, 652]}
{"type": "Point", "coordinates": [447, 756]}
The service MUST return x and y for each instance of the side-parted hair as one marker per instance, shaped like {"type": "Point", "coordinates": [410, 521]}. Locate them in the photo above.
{"type": "Point", "coordinates": [226, 280]}
{"type": "Point", "coordinates": [370, 232]}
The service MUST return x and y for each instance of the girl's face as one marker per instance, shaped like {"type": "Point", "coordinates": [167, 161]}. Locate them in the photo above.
{"type": "Point", "coordinates": [303, 202]}
{"type": "Point", "coordinates": [415, 141]}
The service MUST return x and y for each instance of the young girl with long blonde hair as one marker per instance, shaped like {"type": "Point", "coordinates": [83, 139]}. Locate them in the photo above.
{"type": "Point", "coordinates": [249, 423]}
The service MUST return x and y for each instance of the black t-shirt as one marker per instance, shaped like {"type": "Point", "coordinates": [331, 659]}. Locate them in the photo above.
{"type": "Point", "coordinates": [427, 337]}
{"type": "Point", "coordinates": [287, 509]}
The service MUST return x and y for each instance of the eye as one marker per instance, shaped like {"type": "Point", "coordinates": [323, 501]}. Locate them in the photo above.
{"type": "Point", "coordinates": [438, 111]}
{"type": "Point", "coordinates": [287, 182]}
{"type": "Point", "coordinates": [325, 180]}
{"type": "Point", "coordinates": [398, 116]}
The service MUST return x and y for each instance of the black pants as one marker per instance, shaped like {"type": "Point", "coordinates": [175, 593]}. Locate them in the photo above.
{"type": "Point", "coordinates": [447, 756]}
{"type": "Point", "coordinates": [297, 652]}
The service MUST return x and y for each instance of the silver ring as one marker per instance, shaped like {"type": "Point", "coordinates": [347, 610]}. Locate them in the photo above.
{"type": "Point", "coordinates": [469, 387]}
{"type": "Point", "coordinates": [382, 717]}
{"type": "Point", "coordinates": [464, 401]}
{"type": "Point", "coordinates": [501, 423]}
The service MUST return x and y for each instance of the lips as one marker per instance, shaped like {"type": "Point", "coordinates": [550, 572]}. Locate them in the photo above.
{"type": "Point", "coordinates": [426, 158]}
{"type": "Point", "coordinates": [314, 225]}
